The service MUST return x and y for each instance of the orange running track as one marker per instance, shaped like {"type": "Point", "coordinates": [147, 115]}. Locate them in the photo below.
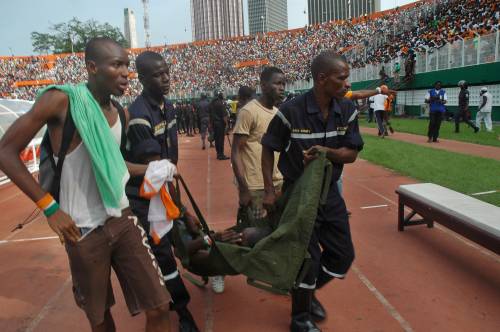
{"type": "Point", "coordinates": [419, 280]}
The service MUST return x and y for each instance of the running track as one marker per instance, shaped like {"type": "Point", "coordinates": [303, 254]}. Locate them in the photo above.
{"type": "Point", "coordinates": [419, 280]}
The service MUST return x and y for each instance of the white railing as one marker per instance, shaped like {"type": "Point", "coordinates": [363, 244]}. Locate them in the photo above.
{"type": "Point", "coordinates": [461, 53]}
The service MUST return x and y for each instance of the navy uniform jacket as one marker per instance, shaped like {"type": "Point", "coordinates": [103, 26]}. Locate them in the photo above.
{"type": "Point", "coordinates": [299, 125]}
{"type": "Point", "coordinates": [203, 109]}
{"type": "Point", "coordinates": [217, 111]}
{"type": "Point", "coordinates": [463, 99]}
{"type": "Point", "coordinates": [151, 131]}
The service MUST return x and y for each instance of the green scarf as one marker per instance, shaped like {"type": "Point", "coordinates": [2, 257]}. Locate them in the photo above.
{"type": "Point", "coordinates": [109, 168]}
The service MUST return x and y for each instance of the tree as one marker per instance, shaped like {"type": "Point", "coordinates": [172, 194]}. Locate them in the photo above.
{"type": "Point", "coordinates": [73, 36]}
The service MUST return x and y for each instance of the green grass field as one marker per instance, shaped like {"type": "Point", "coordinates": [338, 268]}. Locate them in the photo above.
{"type": "Point", "coordinates": [462, 173]}
{"type": "Point", "coordinates": [419, 127]}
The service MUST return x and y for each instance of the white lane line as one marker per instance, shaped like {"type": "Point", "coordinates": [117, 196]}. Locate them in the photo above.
{"type": "Point", "coordinates": [441, 228]}
{"type": "Point", "coordinates": [17, 231]}
{"type": "Point", "coordinates": [485, 193]}
{"type": "Point", "coordinates": [387, 305]}
{"type": "Point", "coordinates": [31, 239]}
{"type": "Point", "coordinates": [47, 307]}
{"type": "Point", "coordinates": [373, 206]}
{"type": "Point", "coordinates": [209, 308]}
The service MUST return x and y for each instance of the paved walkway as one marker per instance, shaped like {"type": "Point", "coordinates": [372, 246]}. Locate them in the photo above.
{"type": "Point", "coordinates": [484, 151]}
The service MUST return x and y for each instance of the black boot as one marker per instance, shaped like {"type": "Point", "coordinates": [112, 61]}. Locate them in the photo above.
{"type": "Point", "coordinates": [180, 300]}
{"type": "Point", "coordinates": [318, 312]}
{"type": "Point", "coordinates": [301, 311]}
{"type": "Point", "coordinates": [186, 321]}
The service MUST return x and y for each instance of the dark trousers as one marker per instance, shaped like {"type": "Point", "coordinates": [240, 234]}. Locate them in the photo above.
{"type": "Point", "coordinates": [189, 126]}
{"type": "Point", "coordinates": [165, 258]}
{"type": "Point", "coordinates": [462, 115]}
{"type": "Point", "coordinates": [370, 115]}
{"type": "Point", "coordinates": [435, 119]}
{"type": "Point", "coordinates": [379, 116]}
{"type": "Point", "coordinates": [219, 131]}
{"type": "Point", "coordinates": [330, 247]}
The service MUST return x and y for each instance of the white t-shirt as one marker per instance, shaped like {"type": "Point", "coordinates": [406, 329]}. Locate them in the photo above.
{"type": "Point", "coordinates": [489, 102]}
{"type": "Point", "coordinates": [379, 102]}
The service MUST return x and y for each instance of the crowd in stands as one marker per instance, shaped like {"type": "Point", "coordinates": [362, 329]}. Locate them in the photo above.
{"type": "Point", "coordinates": [211, 66]}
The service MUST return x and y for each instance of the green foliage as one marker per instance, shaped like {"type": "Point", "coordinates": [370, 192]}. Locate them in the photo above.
{"type": "Point", "coordinates": [72, 36]}
{"type": "Point", "coordinates": [463, 173]}
{"type": "Point", "coordinates": [420, 126]}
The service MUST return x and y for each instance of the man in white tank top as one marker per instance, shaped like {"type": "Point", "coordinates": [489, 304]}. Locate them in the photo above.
{"type": "Point", "coordinates": [94, 241]}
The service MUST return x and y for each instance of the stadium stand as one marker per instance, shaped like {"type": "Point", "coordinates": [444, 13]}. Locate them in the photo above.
{"type": "Point", "coordinates": [226, 64]}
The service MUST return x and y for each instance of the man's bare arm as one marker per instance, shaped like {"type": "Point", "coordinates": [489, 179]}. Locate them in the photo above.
{"type": "Point", "coordinates": [49, 109]}
{"type": "Point", "coordinates": [267, 164]}
{"type": "Point", "coordinates": [239, 142]}
{"type": "Point", "coordinates": [362, 94]}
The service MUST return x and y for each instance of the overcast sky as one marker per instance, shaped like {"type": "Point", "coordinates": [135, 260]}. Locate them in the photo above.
{"type": "Point", "coordinates": [170, 20]}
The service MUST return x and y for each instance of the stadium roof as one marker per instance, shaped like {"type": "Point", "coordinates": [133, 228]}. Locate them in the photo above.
{"type": "Point", "coordinates": [10, 110]}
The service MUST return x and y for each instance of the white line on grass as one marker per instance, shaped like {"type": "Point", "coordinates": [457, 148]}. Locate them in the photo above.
{"type": "Point", "coordinates": [387, 305]}
{"type": "Point", "coordinates": [485, 193]}
{"type": "Point", "coordinates": [373, 206]}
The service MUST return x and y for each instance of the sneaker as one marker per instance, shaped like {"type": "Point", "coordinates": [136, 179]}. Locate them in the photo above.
{"type": "Point", "coordinates": [218, 284]}
{"type": "Point", "coordinates": [476, 129]}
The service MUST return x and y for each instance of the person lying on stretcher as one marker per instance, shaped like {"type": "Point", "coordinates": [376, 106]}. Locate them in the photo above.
{"type": "Point", "coordinates": [198, 244]}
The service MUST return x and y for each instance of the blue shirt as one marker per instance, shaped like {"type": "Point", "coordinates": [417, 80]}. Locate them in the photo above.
{"type": "Point", "coordinates": [437, 106]}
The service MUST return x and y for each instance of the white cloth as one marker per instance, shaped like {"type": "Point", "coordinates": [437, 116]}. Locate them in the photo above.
{"type": "Point", "coordinates": [379, 102]}
{"type": "Point", "coordinates": [158, 174]}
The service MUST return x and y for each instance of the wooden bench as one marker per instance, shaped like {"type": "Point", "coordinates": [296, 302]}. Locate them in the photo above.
{"type": "Point", "coordinates": [476, 220]}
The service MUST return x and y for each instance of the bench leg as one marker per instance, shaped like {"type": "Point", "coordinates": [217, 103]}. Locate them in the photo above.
{"type": "Point", "coordinates": [401, 216]}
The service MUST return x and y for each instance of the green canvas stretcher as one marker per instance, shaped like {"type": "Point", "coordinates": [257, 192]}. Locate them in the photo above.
{"type": "Point", "coordinates": [275, 263]}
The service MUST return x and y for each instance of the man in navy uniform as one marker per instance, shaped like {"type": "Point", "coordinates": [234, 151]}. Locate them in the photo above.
{"type": "Point", "coordinates": [219, 121]}
{"type": "Point", "coordinates": [152, 135]}
{"type": "Point", "coordinates": [463, 113]}
{"type": "Point", "coordinates": [319, 120]}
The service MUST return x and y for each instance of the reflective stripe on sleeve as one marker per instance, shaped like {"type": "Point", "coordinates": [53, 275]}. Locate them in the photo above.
{"type": "Point", "coordinates": [353, 116]}
{"type": "Point", "coordinates": [284, 119]}
{"type": "Point", "coordinates": [139, 122]}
